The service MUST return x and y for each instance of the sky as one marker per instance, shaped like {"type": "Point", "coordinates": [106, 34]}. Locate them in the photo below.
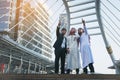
{"type": "Point", "coordinates": [102, 59]}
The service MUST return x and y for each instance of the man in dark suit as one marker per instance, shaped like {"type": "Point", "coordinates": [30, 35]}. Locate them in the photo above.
{"type": "Point", "coordinates": [60, 49]}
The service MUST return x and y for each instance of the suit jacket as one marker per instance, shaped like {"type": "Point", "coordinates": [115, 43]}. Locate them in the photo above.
{"type": "Point", "coordinates": [59, 40]}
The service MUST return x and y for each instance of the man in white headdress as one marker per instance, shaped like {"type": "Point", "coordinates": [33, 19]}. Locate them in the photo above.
{"type": "Point", "coordinates": [73, 57]}
{"type": "Point", "coordinates": [86, 54]}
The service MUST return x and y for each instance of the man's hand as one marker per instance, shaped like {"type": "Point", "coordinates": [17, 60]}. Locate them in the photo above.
{"type": "Point", "coordinates": [68, 50]}
{"type": "Point", "coordinates": [83, 21]}
{"type": "Point", "coordinates": [59, 24]}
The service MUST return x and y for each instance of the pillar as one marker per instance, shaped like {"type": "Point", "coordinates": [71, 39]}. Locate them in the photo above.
{"type": "Point", "coordinates": [21, 63]}
{"type": "Point", "coordinates": [9, 64]}
{"type": "Point", "coordinates": [35, 67]}
{"type": "Point", "coordinates": [29, 67]}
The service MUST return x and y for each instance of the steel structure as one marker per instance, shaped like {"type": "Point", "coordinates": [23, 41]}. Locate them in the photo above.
{"type": "Point", "coordinates": [74, 9]}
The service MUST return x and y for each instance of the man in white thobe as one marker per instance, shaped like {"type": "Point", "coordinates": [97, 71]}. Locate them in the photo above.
{"type": "Point", "coordinates": [73, 57]}
{"type": "Point", "coordinates": [86, 54]}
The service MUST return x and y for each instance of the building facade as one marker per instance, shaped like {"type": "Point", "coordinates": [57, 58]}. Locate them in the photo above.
{"type": "Point", "coordinates": [27, 25]}
{"type": "Point", "coordinates": [4, 15]}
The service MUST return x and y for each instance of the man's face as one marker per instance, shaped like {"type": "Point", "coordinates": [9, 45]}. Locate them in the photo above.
{"type": "Point", "coordinates": [80, 31]}
{"type": "Point", "coordinates": [63, 32]}
{"type": "Point", "coordinates": [73, 30]}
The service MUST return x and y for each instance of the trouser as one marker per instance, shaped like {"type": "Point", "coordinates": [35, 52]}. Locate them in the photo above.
{"type": "Point", "coordinates": [60, 54]}
{"type": "Point", "coordinates": [77, 71]}
{"type": "Point", "coordinates": [91, 67]}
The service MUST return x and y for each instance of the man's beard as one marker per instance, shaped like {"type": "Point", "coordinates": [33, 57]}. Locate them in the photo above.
{"type": "Point", "coordinates": [63, 34]}
{"type": "Point", "coordinates": [80, 34]}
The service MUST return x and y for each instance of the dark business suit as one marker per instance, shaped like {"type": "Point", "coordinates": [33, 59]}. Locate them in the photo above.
{"type": "Point", "coordinates": [59, 52]}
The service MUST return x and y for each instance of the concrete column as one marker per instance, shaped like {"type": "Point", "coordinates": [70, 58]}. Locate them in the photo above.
{"type": "Point", "coordinates": [40, 68]}
{"type": "Point", "coordinates": [35, 67]}
{"type": "Point", "coordinates": [9, 64]}
{"type": "Point", "coordinates": [20, 67]}
{"type": "Point", "coordinates": [45, 68]}
{"type": "Point", "coordinates": [29, 67]}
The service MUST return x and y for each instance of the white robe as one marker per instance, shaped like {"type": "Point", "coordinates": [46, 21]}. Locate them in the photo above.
{"type": "Point", "coordinates": [73, 57]}
{"type": "Point", "coordinates": [85, 49]}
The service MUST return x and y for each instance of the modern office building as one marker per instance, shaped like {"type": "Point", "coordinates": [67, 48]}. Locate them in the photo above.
{"type": "Point", "coordinates": [26, 26]}
{"type": "Point", "coordinates": [4, 15]}
{"type": "Point", "coordinates": [34, 32]}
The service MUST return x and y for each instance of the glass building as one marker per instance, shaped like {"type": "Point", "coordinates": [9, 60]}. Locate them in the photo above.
{"type": "Point", "coordinates": [33, 31]}
{"type": "Point", "coordinates": [4, 15]}
{"type": "Point", "coordinates": [27, 26]}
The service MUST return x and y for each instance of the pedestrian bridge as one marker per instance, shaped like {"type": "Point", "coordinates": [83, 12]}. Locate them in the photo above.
{"type": "Point", "coordinates": [27, 30]}
{"type": "Point", "coordinates": [59, 77]}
